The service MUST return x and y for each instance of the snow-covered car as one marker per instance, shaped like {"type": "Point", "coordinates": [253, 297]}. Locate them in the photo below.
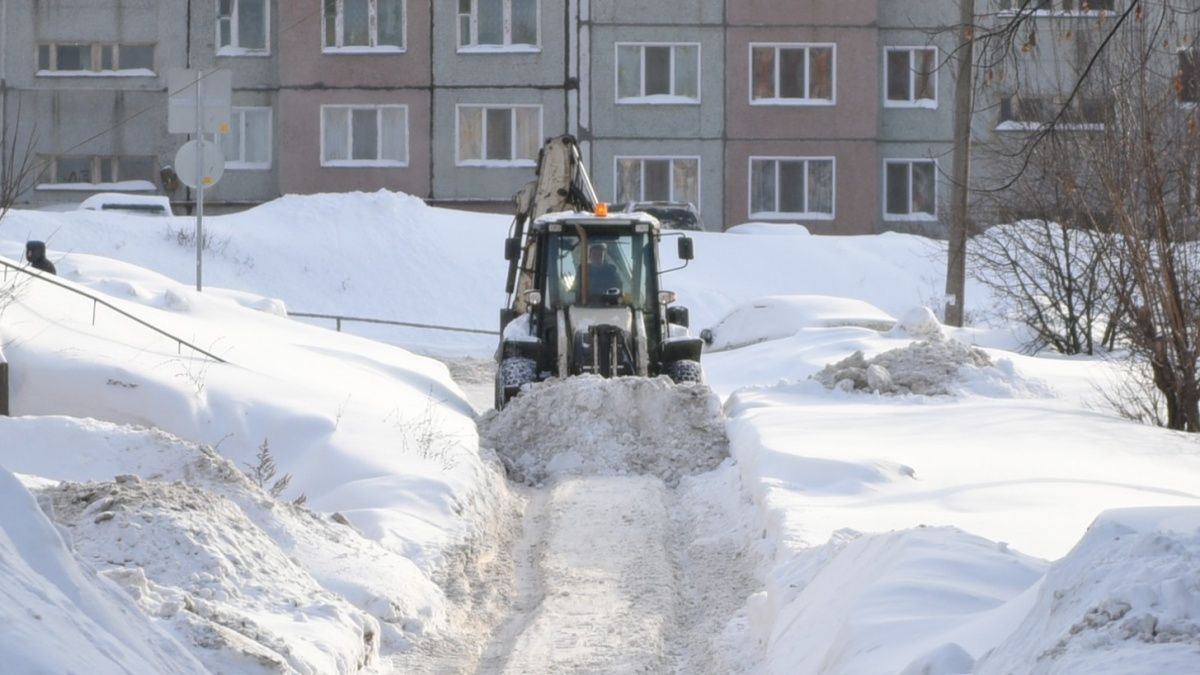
{"type": "Point", "coordinates": [672, 215]}
{"type": "Point", "coordinates": [782, 316]}
{"type": "Point", "coordinates": [146, 205]}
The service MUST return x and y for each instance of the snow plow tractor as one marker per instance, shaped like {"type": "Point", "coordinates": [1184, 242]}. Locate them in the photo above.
{"type": "Point", "coordinates": [584, 287]}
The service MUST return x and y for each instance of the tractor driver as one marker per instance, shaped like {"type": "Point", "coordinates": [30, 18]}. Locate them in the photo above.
{"type": "Point", "coordinates": [602, 275]}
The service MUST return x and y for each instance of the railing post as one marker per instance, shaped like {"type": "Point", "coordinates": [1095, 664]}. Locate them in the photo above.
{"type": "Point", "coordinates": [4, 409]}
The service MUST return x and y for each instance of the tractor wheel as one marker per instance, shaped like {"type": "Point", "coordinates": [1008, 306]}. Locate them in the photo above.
{"type": "Point", "coordinates": [511, 376]}
{"type": "Point", "coordinates": [684, 371]}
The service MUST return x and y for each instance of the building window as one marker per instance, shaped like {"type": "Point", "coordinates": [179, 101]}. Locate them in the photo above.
{"type": "Point", "coordinates": [792, 74]}
{"type": "Point", "coordinates": [499, 135]}
{"type": "Point", "coordinates": [97, 172]}
{"type": "Point", "coordinates": [364, 25]}
{"type": "Point", "coordinates": [498, 23]}
{"type": "Point", "coordinates": [658, 73]}
{"type": "Point", "coordinates": [910, 188]}
{"type": "Point", "coordinates": [910, 75]}
{"type": "Point", "coordinates": [1032, 113]}
{"type": "Point", "coordinates": [248, 143]}
{"type": "Point", "coordinates": [1056, 6]}
{"type": "Point", "coordinates": [792, 187]}
{"type": "Point", "coordinates": [242, 27]}
{"type": "Point", "coordinates": [74, 59]}
{"type": "Point", "coordinates": [364, 135]}
{"type": "Point", "coordinates": [658, 179]}
{"type": "Point", "coordinates": [1187, 80]}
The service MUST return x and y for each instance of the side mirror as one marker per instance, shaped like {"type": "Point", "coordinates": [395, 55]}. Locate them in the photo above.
{"type": "Point", "coordinates": [687, 249]}
{"type": "Point", "coordinates": [678, 316]}
{"type": "Point", "coordinates": [512, 248]}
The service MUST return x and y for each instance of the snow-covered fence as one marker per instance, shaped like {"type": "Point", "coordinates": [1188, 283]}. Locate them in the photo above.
{"type": "Point", "coordinates": [385, 322]}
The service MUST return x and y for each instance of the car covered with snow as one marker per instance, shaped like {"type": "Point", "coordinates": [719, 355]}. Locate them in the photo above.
{"type": "Point", "coordinates": [781, 316]}
{"type": "Point", "coordinates": [145, 205]}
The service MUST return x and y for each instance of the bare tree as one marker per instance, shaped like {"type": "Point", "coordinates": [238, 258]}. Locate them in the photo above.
{"type": "Point", "coordinates": [18, 160]}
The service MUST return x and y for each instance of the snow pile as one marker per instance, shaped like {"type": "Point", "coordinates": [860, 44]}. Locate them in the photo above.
{"type": "Point", "coordinates": [933, 367]}
{"type": "Point", "coordinates": [1125, 601]}
{"type": "Point", "coordinates": [592, 425]}
{"type": "Point", "coordinates": [910, 601]}
{"type": "Point", "coordinates": [777, 317]}
{"type": "Point", "coordinates": [62, 617]}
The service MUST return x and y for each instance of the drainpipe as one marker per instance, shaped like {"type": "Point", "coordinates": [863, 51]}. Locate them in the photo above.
{"type": "Point", "coordinates": [3, 79]}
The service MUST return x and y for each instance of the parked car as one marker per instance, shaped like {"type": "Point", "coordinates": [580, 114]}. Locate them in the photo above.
{"type": "Point", "coordinates": [147, 205]}
{"type": "Point", "coordinates": [672, 215]}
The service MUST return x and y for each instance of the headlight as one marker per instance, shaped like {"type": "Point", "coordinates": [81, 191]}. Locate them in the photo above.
{"type": "Point", "coordinates": [666, 297]}
{"type": "Point", "coordinates": [533, 297]}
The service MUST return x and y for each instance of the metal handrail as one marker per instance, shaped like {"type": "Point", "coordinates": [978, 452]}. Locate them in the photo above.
{"type": "Point", "coordinates": [408, 324]}
{"type": "Point", "coordinates": [50, 279]}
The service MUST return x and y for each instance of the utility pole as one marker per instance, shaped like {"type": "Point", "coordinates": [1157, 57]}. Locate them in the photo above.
{"type": "Point", "coordinates": [956, 255]}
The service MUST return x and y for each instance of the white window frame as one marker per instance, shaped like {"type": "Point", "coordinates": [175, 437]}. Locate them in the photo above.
{"type": "Point", "coordinates": [472, 45]}
{"type": "Point", "coordinates": [96, 50]}
{"type": "Point", "coordinates": [233, 49]}
{"type": "Point", "coordinates": [930, 104]}
{"type": "Point", "coordinates": [1056, 10]}
{"type": "Point", "coordinates": [366, 163]}
{"type": "Point", "coordinates": [789, 215]}
{"type": "Point", "coordinates": [239, 117]}
{"type": "Point", "coordinates": [672, 158]}
{"type": "Point", "coordinates": [51, 164]}
{"type": "Point", "coordinates": [373, 14]}
{"type": "Point", "coordinates": [643, 98]}
{"type": "Point", "coordinates": [910, 216]}
{"type": "Point", "coordinates": [807, 47]}
{"type": "Point", "coordinates": [494, 163]}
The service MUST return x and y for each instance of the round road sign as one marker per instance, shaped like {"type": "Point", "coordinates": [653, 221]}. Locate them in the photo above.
{"type": "Point", "coordinates": [211, 165]}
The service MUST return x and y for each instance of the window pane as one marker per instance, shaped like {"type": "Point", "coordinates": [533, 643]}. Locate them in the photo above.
{"type": "Point", "coordinates": [1189, 75]}
{"type": "Point", "coordinates": [252, 24]}
{"type": "Point", "coordinates": [923, 188]}
{"type": "Point", "coordinates": [791, 187]}
{"type": "Point", "coordinates": [135, 168]}
{"type": "Point", "coordinates": [687, 76]}
{"type": "Point", "coordinates": [898, 75]}
{"type": "Point", "coordinates": [926, 67]}
{"type": "Point", "coordinates": [330, 23]}
{"type": "Point", "coordinates": [629, 180]}
{"type": "Point", "coordinates": [74, 170]}
{"type": "Point", "coordinates": [491, 22]}
{"type": "Point", "coordinates": [763, 68]}
{"type": "Point", "coordinates": [499, 133]}
{"type": "Point", "coordinates": [762, 186]}
{"type": "Point", "coordinates": [356, 24]}
{"type": "Point", "coordinates": [231, 143]}
{"type": "Point", "coordinates": [391, 23]}
{"type": "Point", "coordinates": [524, 22]}
{"type": "Point", "coordinates": [529, 133]}
{"type": "Point", "coordinates": [656, 180]}
{"type": "Point", "coordinates": [820, 65]}
{"type": "Point", "coordinates": [365, 126]}
{"type": "Point", "coordinates": [395, 134]}
{"type": "Point", "coordinates": [687, 181]}
{"type": "Point", "coordinates": [470, 134]}
{"type": "Point", "coordinates": [224, 32]}
{"type": "Point", "coordinates": [74, 57]}
{"type": "Point", "coordinates": [629, 71]}
{"type": "Point", "coordinates": [658, 70]}
{"type": "Point", "coordinates": [43, 57]}
{"type": "Point", "coordinates": [464, 30]}
{"type": "Point", "coordinates": [106, 57]}
{"type": "Point", "coordinates": [257, 144]}
{"type": "Point", "coordinates": [791, 74]}
{"type": "Point", "coordinates": [820, 186]}
{"type": "Point", "coordinates": [107, 174]}
{"type": "Point", "coordinates": [136, 56]}
{"type": "Point", "coordinates": [337, 130]}
{"type": "Point", "coordinates": [897, 188]}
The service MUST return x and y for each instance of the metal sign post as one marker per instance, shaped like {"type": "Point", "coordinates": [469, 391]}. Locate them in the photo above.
{"type": "Point", "coordinates": [199, 102]}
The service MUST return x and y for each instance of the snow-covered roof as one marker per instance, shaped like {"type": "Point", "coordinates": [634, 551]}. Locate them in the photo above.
{"type": "Point", "coordinates": [587, 218]}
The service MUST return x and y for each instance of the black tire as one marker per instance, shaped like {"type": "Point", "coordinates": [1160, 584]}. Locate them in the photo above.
{"type": "Point", "coordinates": [513, 374]}
{"type": "Point", "coordinates": [684, 371]}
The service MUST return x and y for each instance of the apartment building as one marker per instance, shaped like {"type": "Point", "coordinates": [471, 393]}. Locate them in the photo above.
{"type": "Point", "coordinates": [831, 114]}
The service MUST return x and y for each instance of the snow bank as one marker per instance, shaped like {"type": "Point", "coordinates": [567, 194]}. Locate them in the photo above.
{"type": "Point", "coordinates": [593, 425]}
{"type": "Point", "coordinates": [872, 605]}
{"type": "Point", "coordinates": [1124, 601]}
{"type": "Point", "coordinates": [60, 616]}
{"type": "Point", "coordinates": [778, 317]}
{"type": "Point", "coordinates": [932, 367]}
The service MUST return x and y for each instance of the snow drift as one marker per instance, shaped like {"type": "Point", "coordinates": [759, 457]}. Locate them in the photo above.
{"type": "Point", "coordinates": [593, 425]}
